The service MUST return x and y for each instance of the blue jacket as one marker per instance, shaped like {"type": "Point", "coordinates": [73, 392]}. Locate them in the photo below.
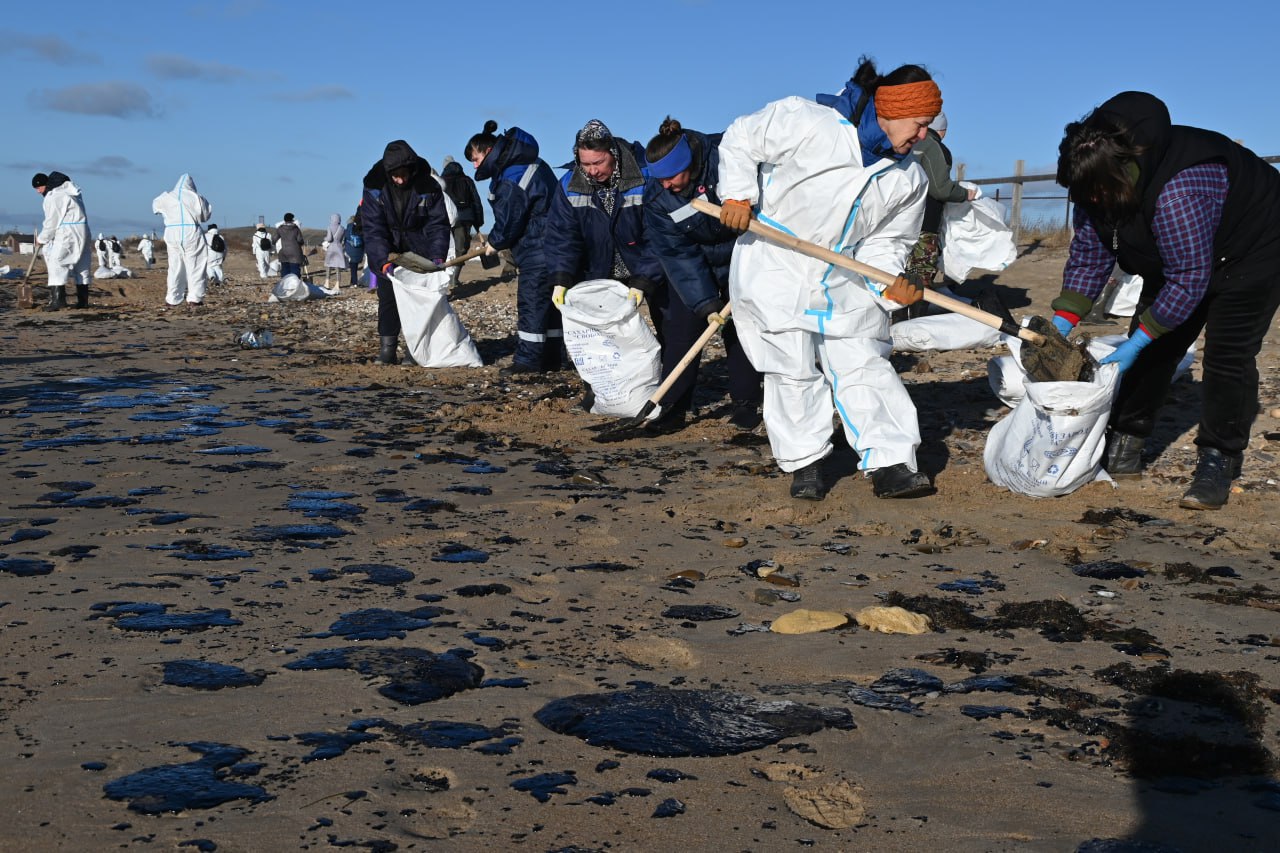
{"type": "Point", "coordinates": [520, 192]}
{"type": "Point", "coordinates": [421, 227]}
{"type": "Point", "coordinates": [581, 237]}
{"type": "Point", "coordinates": [694, 249]}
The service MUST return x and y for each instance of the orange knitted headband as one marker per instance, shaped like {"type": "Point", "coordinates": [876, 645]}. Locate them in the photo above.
{"type": "Point", "coordinates": [909, 100]}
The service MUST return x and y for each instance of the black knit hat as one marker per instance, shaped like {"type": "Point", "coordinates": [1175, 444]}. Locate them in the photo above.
{"type": "Point", "coordinates": [39, 179]}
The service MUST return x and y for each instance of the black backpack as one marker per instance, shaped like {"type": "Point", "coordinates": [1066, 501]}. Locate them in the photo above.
{"type": "Point", "coordinates": [217, 243]}
{"type": "Point", "coordinates": [456, 186]}
{"type": "Point", "coordinates": [264, 243]}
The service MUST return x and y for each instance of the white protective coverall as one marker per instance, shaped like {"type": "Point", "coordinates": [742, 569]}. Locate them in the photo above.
{"type": "Point", "coordinates": [100, 250]}
{"type": "Point", "coordinates": [146, 251]}
{"type": "Point", "coordinates": [183, 210]}
{"type": "Point", "coordinates": [800, 164]}
{"type": "Point", "coordinates": [260, 255]}
{"type": "Point", "coordinates": [215, 258]}
{"type": "Point", "coordinates": [65, 236]}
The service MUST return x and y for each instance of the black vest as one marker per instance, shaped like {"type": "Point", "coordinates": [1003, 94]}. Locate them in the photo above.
{"type": "Point", "coordinates": [1250, 217]}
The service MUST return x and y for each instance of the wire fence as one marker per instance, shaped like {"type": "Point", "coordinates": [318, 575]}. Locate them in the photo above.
{"type": "Point", "coordinates": [1010, 189]}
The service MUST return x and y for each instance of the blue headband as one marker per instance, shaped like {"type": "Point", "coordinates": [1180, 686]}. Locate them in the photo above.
{"type": "Point", "coordinates": [676, 161]}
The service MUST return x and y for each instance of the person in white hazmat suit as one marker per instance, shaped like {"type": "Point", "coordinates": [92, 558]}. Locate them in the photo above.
{"type": "Point", "coordinates": [217, 254]}
{"type": "Point", "coordinates": [835, 173]}
{"type": "Point", "coordinates": [183, 210]}
{"type": "Point", "coordinates": [65, 236]}
{"type": "Point", "coordinates": [147, 251]}
{"type": "Point", "coordinates": [262, 247]}
{"type": "Point", "coordinates": [100, 250]}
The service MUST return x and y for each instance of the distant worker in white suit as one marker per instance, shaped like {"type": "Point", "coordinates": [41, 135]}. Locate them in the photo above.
{"type": "Point", "coordinates": [147, 251]}
{"type": "Point", "coordinates": [184, 210]}
{"type": "Point", "coordinates": [100, 250]}
{"type": "Point", "coordinates": [262, 248]}
{"type": "Point", "coordinates": [65, 236]}
{"type": "Point", "coordinates": [217, 254]}
{"type": "Point", "coordinates": [835, 173]}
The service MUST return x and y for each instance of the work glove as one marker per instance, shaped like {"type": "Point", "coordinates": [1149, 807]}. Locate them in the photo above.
{"type": "Point", "coordinates": [904, 291]}
{"type": "Point", "coordinates": [735, 214]}
{"type": "Point", "coordinates": [489, 250]}
{"type": "Point", "coordinates": [389, 269]}
{"type": "Point", "coordinates": [557, 295]}
{"type": "Point", "coordinates": [1062, 324]}
{"type": "Point", "coordinates": [711, 312]}
{"type": "Point", "coordinates": [635, 295]}
{"type": "Point", "coordinates": [1127, 353]}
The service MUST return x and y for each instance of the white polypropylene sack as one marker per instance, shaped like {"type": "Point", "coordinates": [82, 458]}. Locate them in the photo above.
{"type": "Point", "coordinates": [433, 334]}
{"type": "Point", "coordinates": [1053, 441]}
{"type": "Point", "coordinates": [1008, 382]}
{"type": "Point", "coordinates": [293, 289]}
{"type": "Point", "coordinates": [1123, 299]}
{"type": "Point", "coordinates": [611, 346]}
{"type": "Point", "coordinates": [942, 332]}
{"type": "Point", "coordinates": [974, 236]}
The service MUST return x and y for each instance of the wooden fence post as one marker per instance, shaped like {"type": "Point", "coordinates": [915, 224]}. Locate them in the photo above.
{"type": "Point", "coordinates": [1017, 199]}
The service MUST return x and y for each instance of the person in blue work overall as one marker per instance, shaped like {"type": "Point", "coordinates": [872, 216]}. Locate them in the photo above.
{"type": "Point", "coordinates": [694, 251]}
{"type": "Point", "coordinates": [521, 187]}
{"type": "Point", "coordinates": [595, 228]}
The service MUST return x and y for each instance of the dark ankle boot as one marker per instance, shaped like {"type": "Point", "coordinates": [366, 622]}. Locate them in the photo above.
{"type": "Point", "coordinates": [82, 296]}
{"type": "Point", "coordinates": [1211, 484]}
{"type": "Point", "coordinates": [1124, 455]}
{"type": "Point", "coordinates": [387, 349]}
{"type": "Point", "coordinates": [57, 299]}
{"type": "Point", "coordinates": [899, 481]}
{"type": "Point", "coordinates": [806, 483]}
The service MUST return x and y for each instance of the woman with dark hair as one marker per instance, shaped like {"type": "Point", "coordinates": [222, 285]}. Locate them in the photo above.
{"type": "Point", "coordinates": [521, 187]}
{"type": "Point", "coordinates": [835, 173]}
{"type": "Point", "coordinates": [694, 252]}
{"type": "Point", "coordinates": [1198, 217]}
{"type": "Point", "coordinates": [402, 210]}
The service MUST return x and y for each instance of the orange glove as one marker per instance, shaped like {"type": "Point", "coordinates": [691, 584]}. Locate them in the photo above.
{"type": "Point", "coordinates": [904, 291]}
{"type": "Point", "coordinates": [735, 214]}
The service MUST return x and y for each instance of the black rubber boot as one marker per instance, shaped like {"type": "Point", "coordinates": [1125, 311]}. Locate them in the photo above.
{"type": "Point", "coordinates": [1124, 455]}
{"type": "Point", "coordinates": [899, 481]}
{"type": "Point", "coordinates": [1211, 484]}
{"type": "Point", "coordinates": [745, 416]}
{"type": "Point", "coordinates": [387, 349]}
{"type": "Point", "coordinates": [82, 296]}
{"type": "Point", "coordinates": [57, 299]}
{"type": "Point", "coordinates": [806, 483]}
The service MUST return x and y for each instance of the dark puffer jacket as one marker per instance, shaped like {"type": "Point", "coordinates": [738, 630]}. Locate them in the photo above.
{"type": "Point", "coordinates": [694, 249]}
{"type": "Point", "coordinates": [411, 218]}
{"type": "Point", "coordinates": [464, 194]}
{"type": "Point", "coordinates": [581, 237]}
{"type": "Point", "coordinates": [521, 189]}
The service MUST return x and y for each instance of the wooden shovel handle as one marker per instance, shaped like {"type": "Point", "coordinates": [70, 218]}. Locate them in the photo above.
{"type": "Point", "coordinates": [813, 250]}
{"type": "Point", "coordinates": [694, 351]}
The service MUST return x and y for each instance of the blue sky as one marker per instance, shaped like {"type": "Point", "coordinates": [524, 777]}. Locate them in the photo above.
{"type": "Point", "coordinates": [276, 107]}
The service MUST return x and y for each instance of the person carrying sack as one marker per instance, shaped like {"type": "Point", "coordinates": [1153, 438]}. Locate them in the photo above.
{"type": "Point", "coordinates": [1198, 217]}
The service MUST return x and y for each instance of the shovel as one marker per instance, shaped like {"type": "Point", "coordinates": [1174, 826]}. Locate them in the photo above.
{"type": "Point", "coordinates": [25, 299]}
{"type": "Point", "coordinates": [813, 250]}
{"type": "Point", "coordinates": [622, 429]}
{"type": "Point", "coordinates": [416, 263]}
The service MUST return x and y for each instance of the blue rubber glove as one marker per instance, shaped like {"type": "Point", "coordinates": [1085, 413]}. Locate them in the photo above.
{"type": "Point", "coordinates": [1062, 324]}
{"type": "Point", "coordinates": [1127, 353]}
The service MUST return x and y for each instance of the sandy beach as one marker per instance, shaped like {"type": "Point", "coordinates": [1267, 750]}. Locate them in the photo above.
{"type": "Point", "coordinates": [287, 598]}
